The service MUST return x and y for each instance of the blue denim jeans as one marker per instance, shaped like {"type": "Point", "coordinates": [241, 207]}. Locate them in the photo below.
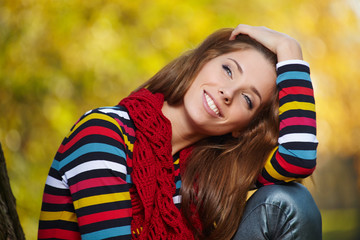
{"type": "Point", "coordinates": [281, 212]}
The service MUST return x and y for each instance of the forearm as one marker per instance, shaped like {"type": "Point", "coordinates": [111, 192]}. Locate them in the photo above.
{"type": "Point", "coordinates": [295, 156]}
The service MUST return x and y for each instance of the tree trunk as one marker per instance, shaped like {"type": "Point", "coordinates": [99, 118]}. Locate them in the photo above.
{"type": "Point", "coordinates": [10, 227]}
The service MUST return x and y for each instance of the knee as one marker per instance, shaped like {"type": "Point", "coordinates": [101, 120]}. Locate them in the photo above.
{"type": "Point", "coordinates": [286, 211]}
{"type": "Point", "coordinates": [292, 198]}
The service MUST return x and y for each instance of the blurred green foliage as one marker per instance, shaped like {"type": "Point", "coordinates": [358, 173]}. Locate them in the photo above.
{"type": "Point", "coordinates": [59, 59]}
{"type": "Point", "coordinates": [341, 224]}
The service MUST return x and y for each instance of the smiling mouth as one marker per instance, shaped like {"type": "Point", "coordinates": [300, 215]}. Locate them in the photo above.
{"type": "Point", "coordinates": [211, 104]}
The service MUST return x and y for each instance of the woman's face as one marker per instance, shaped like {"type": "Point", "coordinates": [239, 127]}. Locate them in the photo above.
{"type": "Point", "coordinates": [227, 92]}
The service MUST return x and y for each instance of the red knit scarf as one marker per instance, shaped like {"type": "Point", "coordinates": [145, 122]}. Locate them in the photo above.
{"type": "Point", "coordinates": [155, 215]}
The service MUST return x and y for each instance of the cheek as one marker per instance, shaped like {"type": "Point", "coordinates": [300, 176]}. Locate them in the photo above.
{"type": "Point", "coordinates": [267, 87]}
{"type": "Point", "coordinates": [241, 119]}
{"type": "Point", "coordinates": [269, 94]}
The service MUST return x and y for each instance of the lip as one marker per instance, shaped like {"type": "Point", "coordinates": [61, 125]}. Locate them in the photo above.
{"type": "Point", "coordinates": [207, 107]}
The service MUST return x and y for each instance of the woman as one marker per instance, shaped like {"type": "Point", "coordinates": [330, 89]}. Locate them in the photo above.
{"type": "Point", "coordinates": [176, 158]}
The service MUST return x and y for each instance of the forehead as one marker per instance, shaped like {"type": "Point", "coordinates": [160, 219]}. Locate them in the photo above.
{"type": "Point", "coordinates": [250, 60]}
{"type": "Point", "coordinates": [248, 53]}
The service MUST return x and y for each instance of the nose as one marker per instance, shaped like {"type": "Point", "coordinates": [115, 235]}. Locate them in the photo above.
{"type": "Point", "coordinates": [225, 96]}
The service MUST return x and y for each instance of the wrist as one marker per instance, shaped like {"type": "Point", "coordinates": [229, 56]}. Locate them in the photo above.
{"type": "Point", "coordinates": [289, 49]}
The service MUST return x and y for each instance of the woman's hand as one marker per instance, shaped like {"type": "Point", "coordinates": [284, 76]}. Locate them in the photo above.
{"type": "Point", "coordinates": [284, 46]}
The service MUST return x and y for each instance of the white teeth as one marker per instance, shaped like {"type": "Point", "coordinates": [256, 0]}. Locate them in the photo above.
{"type": "Point", "coordinates": [211, 104]}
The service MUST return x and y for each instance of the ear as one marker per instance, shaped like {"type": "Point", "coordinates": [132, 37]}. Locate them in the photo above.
{"type": "Point", "coordinates": [235, 134]}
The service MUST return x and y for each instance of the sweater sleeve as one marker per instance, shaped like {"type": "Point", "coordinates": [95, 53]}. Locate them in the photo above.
{"type": "Point", "coordinates": [87, 190]}
{"type": "Point", "coordinates": [295, 156]}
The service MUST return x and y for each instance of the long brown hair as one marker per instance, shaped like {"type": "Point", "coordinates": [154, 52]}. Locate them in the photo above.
{"type": "Point", "coordinates": [221, 169]}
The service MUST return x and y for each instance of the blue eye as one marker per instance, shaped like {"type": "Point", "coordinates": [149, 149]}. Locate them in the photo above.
{"type": "Point", "coordinates": [248, 101]}
{"type": "Point", "coordinates": [228, 70]}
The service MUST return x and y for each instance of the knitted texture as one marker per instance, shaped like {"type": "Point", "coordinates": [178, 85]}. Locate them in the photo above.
{"type": "Point", "coordinates": [155, 215]}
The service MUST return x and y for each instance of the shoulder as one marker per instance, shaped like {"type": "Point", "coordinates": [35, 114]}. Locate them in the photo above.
{"type": "Point", "coordinates": [115, 117]}
{"type": "Point", "coordinates": [106, 130]}
{"type": "Point", "coordinates": [110, 125]}
{"type": "Point", "coordinates": [117, 113]}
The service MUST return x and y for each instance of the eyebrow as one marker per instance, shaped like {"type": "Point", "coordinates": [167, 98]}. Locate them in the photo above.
{"type": "Point", "coordinates": [237, 65]}
{"type": "Point", "coordinates": [256, 92]}
{"type": "Point", "coordinates": [253, 89]}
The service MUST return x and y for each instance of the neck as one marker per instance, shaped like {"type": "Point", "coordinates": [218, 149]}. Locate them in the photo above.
{"type": "Point", "coordinates": [183, 134]}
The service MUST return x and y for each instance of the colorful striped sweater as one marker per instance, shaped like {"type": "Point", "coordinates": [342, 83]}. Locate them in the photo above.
{"type": "Point", "coordinates": [87, 190]}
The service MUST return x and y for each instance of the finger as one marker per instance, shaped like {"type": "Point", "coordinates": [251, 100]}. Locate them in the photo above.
{"type": "Point", "coordinates": [240, 29]}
